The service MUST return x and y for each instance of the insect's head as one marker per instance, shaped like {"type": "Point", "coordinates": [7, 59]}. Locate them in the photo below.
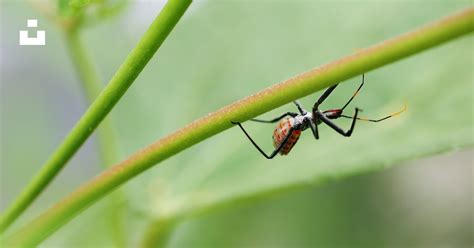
{"type": "Point", "coordinates": [333, 113]}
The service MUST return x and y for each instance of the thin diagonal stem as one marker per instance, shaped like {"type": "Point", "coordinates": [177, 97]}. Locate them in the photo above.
{"type": "Point", "coordinates": [118, 85]}
{"type": "Point", "coordinates": [91, 84]}
{"type": "Point", "coordinates": [106, 138]}
{"type": "Point", "coordinates": [428, 36]}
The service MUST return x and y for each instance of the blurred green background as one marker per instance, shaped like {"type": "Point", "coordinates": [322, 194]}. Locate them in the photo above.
{"type": "Point", "coordinates": [220, 52]}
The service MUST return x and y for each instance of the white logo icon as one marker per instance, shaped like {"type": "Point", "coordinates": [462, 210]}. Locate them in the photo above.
{"type": "Point", "coordinates": [39, 40]}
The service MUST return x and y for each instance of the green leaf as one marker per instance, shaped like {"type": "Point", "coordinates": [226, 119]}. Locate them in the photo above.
{"type": "Point", "coordinates": [227, 50]}
{"type": "Point", "coordinates": [266, 45]}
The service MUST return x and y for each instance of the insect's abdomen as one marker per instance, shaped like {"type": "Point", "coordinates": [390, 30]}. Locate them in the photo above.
{"type": "Point", "coordinates": [281, 131]}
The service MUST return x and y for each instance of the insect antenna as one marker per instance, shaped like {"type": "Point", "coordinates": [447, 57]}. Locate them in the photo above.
{"type": "Point", "coordinates": [381, 119]}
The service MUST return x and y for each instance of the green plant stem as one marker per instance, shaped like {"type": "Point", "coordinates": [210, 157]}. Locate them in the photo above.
{"type": "Point", "coordinates": [91, 84]}
{"type": "Point", "coordinates": [428, 36]}
{"type": "Point", "coordinates": [118, 85]}
{"type": "Point", "coordinates": [106, 138]}
{"type": "Point", "coordinates": [158, 233]}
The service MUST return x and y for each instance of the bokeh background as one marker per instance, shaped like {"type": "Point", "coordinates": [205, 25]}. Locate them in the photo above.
{"type": "Point", "coordinates": [221, 51]}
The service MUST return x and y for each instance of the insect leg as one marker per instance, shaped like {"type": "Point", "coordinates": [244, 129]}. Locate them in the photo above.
{"type": "Point", "coordinates": [314, 129]}
{"type": "Point", "coordinates": [328, 122]}
{"type": "Point", "coordinates": [324, 96]}
{"type": "Point", "coordinates": [355, 93]}
{"type": "Point", "coordinates": [292, 114]}
{"type": "Point", "coordinates": [298, 105]}
{"type": "Point", "coordinates": [276, 151]}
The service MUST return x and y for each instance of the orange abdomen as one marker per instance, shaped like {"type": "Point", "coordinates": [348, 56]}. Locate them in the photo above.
{"type": "Point", "coordinates": [281, 131]}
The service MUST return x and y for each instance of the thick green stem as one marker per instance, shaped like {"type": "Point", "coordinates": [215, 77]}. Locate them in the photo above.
{"type": "Point", "coordinates": [118, 85]}
{"type": "Point", "coordinates": [106, 138]}
{"type": "Point", "coordinates": [347, 67]}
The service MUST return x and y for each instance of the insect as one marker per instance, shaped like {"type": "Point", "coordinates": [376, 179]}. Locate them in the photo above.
{"type": "Point", "coordinates": [288, 130]}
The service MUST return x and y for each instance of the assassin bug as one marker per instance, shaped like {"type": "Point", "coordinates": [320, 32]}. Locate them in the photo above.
{"type": "Point", "coordinates": [288, 130]}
